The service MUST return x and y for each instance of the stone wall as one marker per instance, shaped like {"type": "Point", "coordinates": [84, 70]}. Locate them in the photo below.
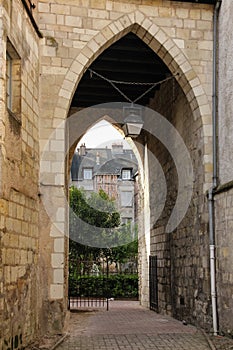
{"type": "Point", "coordinates": [183, 270]}
{"type": "Point", "coordinates": [19, 169]}
{"type": "Point", "coordinates": [75, 33]}
{"type": "Point", "coordinates": [225, 97]}
{"type": "Point", "coordinates": [223, 198]}
{"type": "Point", "coordinates": [224, 258]}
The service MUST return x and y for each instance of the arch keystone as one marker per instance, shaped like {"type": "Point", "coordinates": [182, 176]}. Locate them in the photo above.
{"type": "Point", "coordinates": [139, 17]}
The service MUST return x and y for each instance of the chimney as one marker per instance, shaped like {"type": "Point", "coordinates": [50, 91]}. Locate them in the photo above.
{"type": "Point", "coordinates": [97, 158]}
{"type": "Point", "coordinates": [117, 148]}
{"type": "Point", "coordinates": [82, 150]}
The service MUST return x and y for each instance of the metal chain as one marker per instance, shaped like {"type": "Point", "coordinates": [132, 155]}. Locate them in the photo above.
{"type": "Point", "coordinates": [144, 93]}
{"type": "Point", "coordinates": [113, 82]}
{"type": "Point", "coordinates": [110, 82]}
{"type": "Point", "coordinates": [121, 92]}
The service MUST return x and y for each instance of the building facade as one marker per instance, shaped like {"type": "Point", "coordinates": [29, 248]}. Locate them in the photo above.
{"type": "Point", "coordinates": [111, 169]}
{"type": "Point", "coordinates": [46, 49]}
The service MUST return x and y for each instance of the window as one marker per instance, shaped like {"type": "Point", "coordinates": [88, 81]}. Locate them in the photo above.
{"type": "Point", "coordinates": [8, 81]}
{"type": "Point", "coordinates": [126, 174]}
{"type": "Point", "coordinates": [87, 174]}
{"type": "Point", "coordinates": [126, 198]}
{"type": "Point", "coordinates": [13, 82]}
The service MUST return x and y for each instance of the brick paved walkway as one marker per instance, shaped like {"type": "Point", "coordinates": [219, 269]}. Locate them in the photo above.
{"type": "Point", "coordinates": [127, 326]}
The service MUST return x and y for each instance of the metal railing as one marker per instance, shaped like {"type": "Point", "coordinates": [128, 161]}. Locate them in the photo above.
{"type": "Point", "coordinates": [88, 284]}
{"type": "Point", "coordinates": [153, 282]}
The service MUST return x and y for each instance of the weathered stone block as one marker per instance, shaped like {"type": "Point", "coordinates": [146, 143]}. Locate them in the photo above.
{"type": "Point", "coordinates": [58, 276]}
{"type": "Point", "coordinates": [57, 260]}
{"type": "Point", "coordinates": [59, 245]}
{"type": "Point", "coordinates": [73, 21]}
{"type": "Point", "coordinates": [56, 291]}
{"type": "Point", "coordinates": [61, 9]}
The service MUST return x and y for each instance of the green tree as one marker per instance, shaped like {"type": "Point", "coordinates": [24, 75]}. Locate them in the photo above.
{"type": "Point", "coordinates": [95, 229]}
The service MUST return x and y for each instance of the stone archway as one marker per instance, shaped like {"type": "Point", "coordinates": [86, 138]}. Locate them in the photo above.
{"type": "Point", "coordinates": [163, 45]}
{"type": "Point", "coordinates": [170, 51]}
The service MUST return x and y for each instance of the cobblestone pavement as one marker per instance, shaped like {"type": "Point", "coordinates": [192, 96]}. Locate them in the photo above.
{"type": "Point", "coordinates": [128, 326]}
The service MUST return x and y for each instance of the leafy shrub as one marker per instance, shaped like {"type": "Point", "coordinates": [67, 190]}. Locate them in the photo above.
{"type": "Point", "coordinates": [114, 286]}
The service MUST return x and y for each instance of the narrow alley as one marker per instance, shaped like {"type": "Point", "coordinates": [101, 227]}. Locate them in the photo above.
{"type": "Point", "coordinates": [129, 326]}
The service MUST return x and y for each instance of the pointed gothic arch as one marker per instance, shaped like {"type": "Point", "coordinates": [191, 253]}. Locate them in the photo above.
{"type": "Point", "coordinates": [162, 44]}
{"type": "Point", "coordinates": [168, 51]}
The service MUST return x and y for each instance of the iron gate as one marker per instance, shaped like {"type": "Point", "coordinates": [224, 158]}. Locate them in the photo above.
{"type": "Point", "coordinates": [88, 284]}
{"type": "Point", "coordinates": [153, 283]}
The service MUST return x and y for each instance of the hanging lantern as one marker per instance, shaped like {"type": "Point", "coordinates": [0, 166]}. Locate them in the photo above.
{"type": "Point", "coordinates": [133, 122]}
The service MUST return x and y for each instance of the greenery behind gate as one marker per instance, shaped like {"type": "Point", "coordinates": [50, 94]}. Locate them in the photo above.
{"type": "Point", "coordinates": [113, 286]}
{"type": "Point", "coordinates": [83, 281]}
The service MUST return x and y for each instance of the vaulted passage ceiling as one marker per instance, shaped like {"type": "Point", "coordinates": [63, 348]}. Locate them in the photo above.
{"type": "Point", "coordinates": [129, 59]}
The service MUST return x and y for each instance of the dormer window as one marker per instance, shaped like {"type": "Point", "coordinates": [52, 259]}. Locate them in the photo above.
{"type": "Point", "coordinates": [126, 174]}
{"type": "Point", "coordinates": [87, 173]}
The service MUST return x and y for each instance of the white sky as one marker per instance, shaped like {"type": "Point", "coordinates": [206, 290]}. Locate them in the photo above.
{"type": "Point", "coordinates": [101, 135]}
